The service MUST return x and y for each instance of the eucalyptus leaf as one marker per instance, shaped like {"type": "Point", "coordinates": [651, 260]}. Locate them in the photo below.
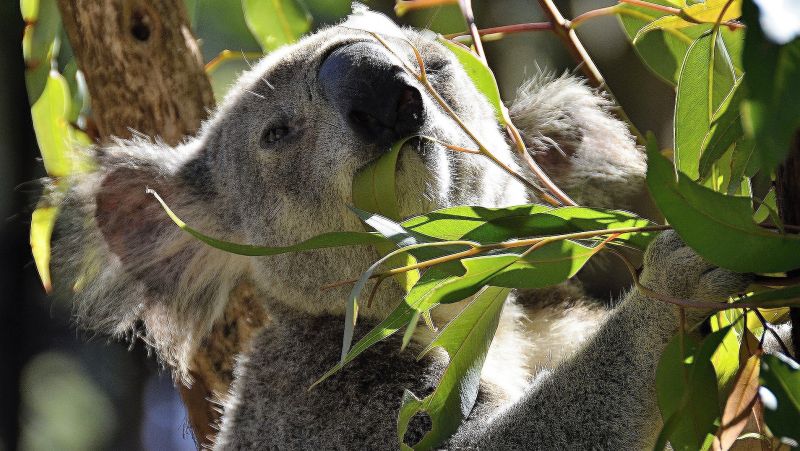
{"type": "Point", "coordinates": [325, 240]}
{"type": "Point", "coordinates": [39, 45]}
{"type": "Point", "coordinates": [717, 226]}
{"type": "Point", "coordinates": [481, 76]}
{"type": "Point", "coordinates": [466, 339]}
{"type": "Point", "coordinates": [492, 225]}
{"type": "Point", "coordinates": [780, 395]}
{"type": "Point", "coordinates": [686, 386]}
{"type": "Point", "coordinates": [275, 23]}
{"type": "Point", "coordinates": [706, 79]}
{"type": "Point", "coordinates": [772, 109]}
{"type": "Point", "coordinates": [662, 51]}
{"type": "Point", "coordinates": [42, 222]}
{"type": "Point", "coordinates": [709, 11]}
{"type": "Point", "coordinates": [780, 297]}
{"type": "Point", "coordinates": [53, 131]}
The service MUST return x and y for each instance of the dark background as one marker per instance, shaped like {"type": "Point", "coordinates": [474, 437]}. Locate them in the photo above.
{"type": "Point", "coordinates": [61, 389]}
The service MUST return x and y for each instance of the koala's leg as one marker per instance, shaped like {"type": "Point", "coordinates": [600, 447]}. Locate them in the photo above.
{"type": "Point", "coordinates": [589, 153]}
{"type": "Point", "coordinates": [603, 397]}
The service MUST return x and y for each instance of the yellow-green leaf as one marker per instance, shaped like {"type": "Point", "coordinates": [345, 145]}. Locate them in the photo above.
{"type": "Point", "coordinates": [42, 222]}
{"type": "Point", "coordinates": [275, 23]}
{"type": "Point", "coordinates": [699, 13]}
{"type": "Point", "coordinates": [53, 132]}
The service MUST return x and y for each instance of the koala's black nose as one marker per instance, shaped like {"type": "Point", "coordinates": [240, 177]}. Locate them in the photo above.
{"type": "Point", "coordinates": [372, 92]}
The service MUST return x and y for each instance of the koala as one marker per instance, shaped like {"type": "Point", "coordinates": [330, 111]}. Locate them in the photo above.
{"type": "Point", "coordinates": [274, 166]}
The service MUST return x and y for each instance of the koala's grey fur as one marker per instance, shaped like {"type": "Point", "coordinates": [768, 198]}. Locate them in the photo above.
{"type": "Point", "coordinates": [563, 371]}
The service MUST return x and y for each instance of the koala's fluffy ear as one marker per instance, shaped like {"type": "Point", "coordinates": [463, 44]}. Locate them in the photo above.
{"type": "Point", "coordinates": [134, 272]}
{"type": "Point", "coordinates": [571, 132]}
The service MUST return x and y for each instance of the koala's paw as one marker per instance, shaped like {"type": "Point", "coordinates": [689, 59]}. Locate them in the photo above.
{"type": "Point", "coordinates": [671, 267]}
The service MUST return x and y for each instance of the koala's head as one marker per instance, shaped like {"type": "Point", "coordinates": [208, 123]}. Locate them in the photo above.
{"type": "Point", "coordinates": [274, 166]}
{"type": "Point", "coordinates": [283, 149]}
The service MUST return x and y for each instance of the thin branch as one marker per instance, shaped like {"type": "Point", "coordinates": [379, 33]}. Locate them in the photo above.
{"type": "Point", "coordinates": [566, 33]}
{"type": "Point", "coordinates": [507, 29]}
{"type": "Point", "coordinates": [469, 17]}
{"type": "Point", "coordinates": [768, 328]}
{"type": "Point", "coordinates": [513, 244]}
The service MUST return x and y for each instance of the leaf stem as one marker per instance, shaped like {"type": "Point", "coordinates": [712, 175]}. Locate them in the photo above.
{"type": "Point", "coordinates": [768, 327]}
{"type": "Point", "coordinates": [513, 244]}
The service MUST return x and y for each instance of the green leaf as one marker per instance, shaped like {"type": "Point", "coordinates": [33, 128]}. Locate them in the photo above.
{"type": "Point", "coordinates": [374, 186]}
{"type": "Point", "coordinates": [481, 76]}
{"type": "Point", "coordinates": [726, 356]}
{"type": "Point", "coordinates": [275, 23]}
{"type": "Point", "coordinates": [725, 130]}
{"type": "Point", "coordinates": [492, 225]}
{"type": "Point", "coordinates": [686, 386]}
{"type": "Point", "coordinates": [53, 131]}
{"type": "Point", "coordinates": [325, 240]}
{"type": "Point", "coordinates": [42, 222]}
{"type": "Point", "coordinates": [39, 43]}
{"type": "Point", "coordinates": [706, 79]}
{"type": "Point", "coordinates": [374, 190]}
{"type": "Point", "coordinates": [549, 265]}
{"type": "Point", "coordinates": [772, 109]}
{"type": "Point", "coordinates": [768, 208]}
{"type": "Point", "coordinates": [661, 51]}
{"type": "Point", "coordinates": [780, 395]}
{"type": "Point", "coordinates": [703, 12]}
{"type": "Point", "coordinates": [781, 297]}
{"type": "Point", "coordinates": [466, 338]}
{"type": "Point", "coordinates": [717, 226]}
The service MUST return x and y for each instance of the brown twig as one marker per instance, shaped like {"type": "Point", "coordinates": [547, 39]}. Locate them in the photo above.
{"type": "Point", "coordinates": [768, 328]}
{"type": "Point", "coordinates": [566, 33]}
{"type": "Point", "coordinates": [469, 17]}
{"type": "Point", "coordinates": [507, 29]}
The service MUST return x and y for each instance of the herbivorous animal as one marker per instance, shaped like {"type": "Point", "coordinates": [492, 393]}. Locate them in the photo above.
{"type": "Point", "coordinates": [274, 166]}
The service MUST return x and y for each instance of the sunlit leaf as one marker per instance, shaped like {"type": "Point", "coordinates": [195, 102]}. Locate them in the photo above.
{"type": "Point", "coordinates": [481, 76]}
{"type": "Point", "coordinates": [374, 190]}
{"type": "Point", "coordinates": [466, 339]}
{"type": "Point", "coordinates": [42, 222]}
{"type": "Point", "coordinates": [325, 240]}
{"type": "Point", "coordinates": [717, 226]}
{"type": "Point", "coordinates": [491, 225]}
{"type": "Point", "coordinates": [780, 395]}
{"type": "Point", "coordinates": [275, 23]}
{"type": "Point", "coordinates": [706, 79]}
{"type": "Point", "coordinates": [53, 131]}
{"type": "Point", "coordinates": [704, 12]}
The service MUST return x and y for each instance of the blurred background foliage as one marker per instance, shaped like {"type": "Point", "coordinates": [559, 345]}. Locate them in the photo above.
{"type": "Point", "coordinates": [57, 391]}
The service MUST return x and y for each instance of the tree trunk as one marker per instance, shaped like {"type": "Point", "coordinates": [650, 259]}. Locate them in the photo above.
{"type": "Point", "coordinates": [145, 74]}
{"type": "Point", "coordinates": [788, 195]}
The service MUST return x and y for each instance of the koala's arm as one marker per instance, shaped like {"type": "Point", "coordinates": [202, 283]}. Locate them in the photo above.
{"type": "Point", "coordinates": [603, 397]}
{"type": "Point", "coordinates": [569, 129]}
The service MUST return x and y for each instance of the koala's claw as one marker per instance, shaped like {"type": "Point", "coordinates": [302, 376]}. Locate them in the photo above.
{"type": "Point", "coordinates": [671, 267]}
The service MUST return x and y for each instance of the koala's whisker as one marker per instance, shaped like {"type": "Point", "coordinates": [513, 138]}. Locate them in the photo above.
{"type": "Point", "coordinates": [255, 94]}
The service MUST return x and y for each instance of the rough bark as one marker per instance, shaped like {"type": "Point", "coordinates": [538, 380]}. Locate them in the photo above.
{"type": "Point", "coordinates": [788, 196]}
{"type": "Point", "coordinates": [145, 74]}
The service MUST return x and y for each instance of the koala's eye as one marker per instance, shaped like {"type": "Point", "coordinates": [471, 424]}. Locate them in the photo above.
{"type": "Point", "coordinates": [435, 65]}
{"type": "Point", "coordinates": [273, 135]}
